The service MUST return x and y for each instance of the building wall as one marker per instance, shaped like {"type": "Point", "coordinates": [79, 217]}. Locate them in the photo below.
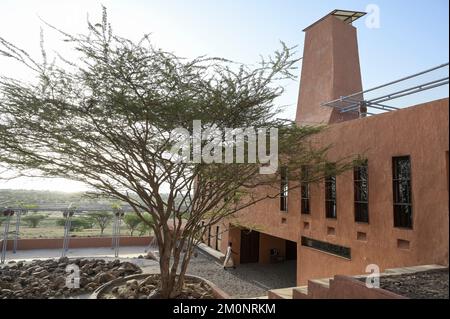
{"type": "Point", "coordinates": [422, 133]}
{"type": "Point", "coordinates": [330, 70]}
{"type": "Point", "coordinates": [77, 242]}
{"type": "Point", "coordinates": [266, 243]}
{"type": "Point", "coordinates": [419, 131]}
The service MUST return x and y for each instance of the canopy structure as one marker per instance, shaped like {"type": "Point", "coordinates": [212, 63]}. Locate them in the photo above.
{"type": "Point", "coordinates": [345, 15]}
{"type": "Point", "coordinates": [356, 103]}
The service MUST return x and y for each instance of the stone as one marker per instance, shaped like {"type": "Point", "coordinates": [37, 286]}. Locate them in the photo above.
{"type": "Point", "coordinates": [132, 284]}
{"type": "Point", "coordinates": [59, 282]}
{"type": "Point", "coordinates": [5, 285]}
{"type": "Point", "coordinates": [17, 286]}
{"type": "Point", "coordinates": [150, 255]}
{"type": "Point", "coordinates": [40, 274]}
{"type": "Point", "coordinates": [102, 278]}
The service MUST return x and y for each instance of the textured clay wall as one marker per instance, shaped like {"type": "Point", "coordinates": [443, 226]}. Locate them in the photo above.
{"type": "Point", "coordinates": [330, 70]}
{"type": "Point", "coordinates": [420, 132]}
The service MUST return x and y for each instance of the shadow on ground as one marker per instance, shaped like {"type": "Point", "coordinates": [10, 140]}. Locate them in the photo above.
{"type": "Point", "coordinates": [246, 281]}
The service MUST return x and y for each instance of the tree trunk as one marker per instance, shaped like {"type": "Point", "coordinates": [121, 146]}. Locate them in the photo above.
{"type": "Point", "coordinates": [167, 278]}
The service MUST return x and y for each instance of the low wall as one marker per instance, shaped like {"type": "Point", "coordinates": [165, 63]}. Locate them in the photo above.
{"type": "Point", "coordinates": [344, 287]}
{"type": "Point", "coordinates": [77, 242]}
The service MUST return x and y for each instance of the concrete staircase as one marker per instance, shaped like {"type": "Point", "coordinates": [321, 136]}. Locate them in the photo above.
{"type": "Point", "coordinates": [345, 286]}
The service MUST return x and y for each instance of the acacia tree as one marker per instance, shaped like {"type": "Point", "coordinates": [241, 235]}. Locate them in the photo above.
{"type": "Point", "coordinates": [101, 219]}
{"type": "Point", "coordinates": [132, 221]}
{"type": "Point", "coordinates": [105, 119]}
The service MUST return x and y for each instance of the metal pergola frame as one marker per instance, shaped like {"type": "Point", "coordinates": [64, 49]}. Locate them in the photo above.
{"type": "Point", "coordinates": [355, 103]}
{"type": "Point", "coordinates": [68, 213]}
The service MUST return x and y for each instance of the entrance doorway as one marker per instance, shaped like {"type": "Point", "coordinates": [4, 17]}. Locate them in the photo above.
{"type": "Point", "coordinates": [291, 250]}
{"type": "Point", "coordinates": [249, 246]}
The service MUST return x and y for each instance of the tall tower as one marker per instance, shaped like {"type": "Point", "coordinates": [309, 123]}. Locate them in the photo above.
{"type": "Point", "coordinates": [330, 68]}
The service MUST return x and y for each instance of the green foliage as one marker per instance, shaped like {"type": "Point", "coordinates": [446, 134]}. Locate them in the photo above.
{"type": "Point", "coordinates": [132, 220]}
{"type": "Point", "coordinates": [77, 223]}
{"type": "Point", "coordinates": [80, 223]}
{"type": "Point", "coordinates": [33, 220]}
{"type": "Point", "coordinates": [101, 219]}
{"type": "Point", "coordinates": [144, 228]}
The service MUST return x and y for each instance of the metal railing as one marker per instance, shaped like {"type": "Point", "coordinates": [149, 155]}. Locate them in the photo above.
{"type": "Point", "coordinates": [356, 103]}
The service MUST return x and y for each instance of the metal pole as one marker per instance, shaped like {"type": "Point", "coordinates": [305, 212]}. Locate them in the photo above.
{"type": "Point", "coordinates": [65, 215]}
{"type": "Point", "coordinates": [116, 251]}
{"type": "Point", "coordinates": [116, 236]}
{"type": "Point", "coordinates": [113, 243]}
{"type": "Point", "coordinates": [68, 229]}
{"type": "Point", "coordinates": [401, 93]}
{"type": "Point", "coordinates": [387, 84]}
{"type": "Point", "coordinates": [411, 90]}
{"type": "Point", "coordinates": [16, 237]}
{"type": "Point", "coordinates": [7, 213]}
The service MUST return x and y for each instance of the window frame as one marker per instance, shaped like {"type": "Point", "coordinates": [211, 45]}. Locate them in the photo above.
{"type": "Point", "coordinates": [284, 189]}
{"type": "Point", "coordinates": [330, 200]}
{"type": "Point", "coordinates": [361, 217]}
{"type": "Point", "coordinates": [399, 222]}
{"type": "Point", "coordinates": [305, 201]}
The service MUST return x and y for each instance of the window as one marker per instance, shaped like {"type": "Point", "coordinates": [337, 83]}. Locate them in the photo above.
{"type": "Point", "coordinates": [361, 190]}
{"type": "Point", "coordinates": [209, 236]}
{"type": "Point", "coordinates": [283, 189]}
{"type": "Point", "coordinates": [330, 195]}
{"type": "Point", "coordinates": [218, 238]}
{"type": "Point", "coordinates": [203, 226]}
{"type": "Point", "coordinates": [304, 190]}
{"type": "Point", "coordinates": [337, 250]}
{"type": "Point", "coordinates": [401, 174]}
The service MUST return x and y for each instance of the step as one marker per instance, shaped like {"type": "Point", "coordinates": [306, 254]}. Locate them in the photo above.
{"type": "Point", "coordinates": [219, 256]}
{"type": "Point", "coordinates": [283, 293]}
{"type": "Point", "coordinates": [300, 292]}
{"type": "Point", "coordinates": [325, 282]}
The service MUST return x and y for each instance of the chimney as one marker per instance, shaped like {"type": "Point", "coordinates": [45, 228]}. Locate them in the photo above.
{"type": "Point", "coordinates": [330, 68]}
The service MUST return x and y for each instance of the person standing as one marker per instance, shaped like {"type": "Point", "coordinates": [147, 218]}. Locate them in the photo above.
{"type": "Point", "coordinates": [229, 262]}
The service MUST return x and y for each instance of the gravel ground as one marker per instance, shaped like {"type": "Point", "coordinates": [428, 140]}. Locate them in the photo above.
{"type": "Point", "coordinates": [431, 284]}
{"type": "Point", "coordinates": [248, 280]}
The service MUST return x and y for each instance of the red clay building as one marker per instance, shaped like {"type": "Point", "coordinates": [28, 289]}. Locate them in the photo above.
{"type": "Point", "coordinates": [403, 220]}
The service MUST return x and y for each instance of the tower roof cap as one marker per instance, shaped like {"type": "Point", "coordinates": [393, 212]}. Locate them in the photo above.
{"type": "Point", "coordinates": [345, 15]}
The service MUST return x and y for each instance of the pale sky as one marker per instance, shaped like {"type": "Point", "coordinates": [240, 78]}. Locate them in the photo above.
{"type": "Point", "coordinates": [413, 36]}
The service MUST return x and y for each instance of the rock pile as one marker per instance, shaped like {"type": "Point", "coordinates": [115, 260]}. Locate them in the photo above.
{"type": "Point", "coordinates": [146, 288]}
{"type": "Point", "coordinates": [41, 279]}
